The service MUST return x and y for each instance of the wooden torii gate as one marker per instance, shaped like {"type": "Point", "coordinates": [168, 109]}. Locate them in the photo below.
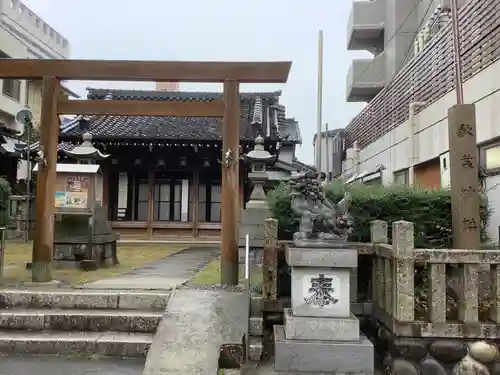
{"type": "Point", "coordinates": [231, 74]}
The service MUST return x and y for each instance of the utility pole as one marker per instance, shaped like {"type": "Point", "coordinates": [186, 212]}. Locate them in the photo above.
{"type": "Point", "coordinates": [319, 103]}
{"type": "Point", "coordinates": [456, 52]}
{"type": "Point", "coordinates": [327, 152]}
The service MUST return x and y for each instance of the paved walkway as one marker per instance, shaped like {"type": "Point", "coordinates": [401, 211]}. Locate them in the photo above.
{"type": "Point", "coordinates": [167, 273]}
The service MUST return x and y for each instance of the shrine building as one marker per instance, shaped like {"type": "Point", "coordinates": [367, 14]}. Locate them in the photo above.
{"type": "Point", "coordinates": [162, 175]}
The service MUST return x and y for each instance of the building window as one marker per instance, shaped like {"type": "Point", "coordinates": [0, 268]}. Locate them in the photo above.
{"type": "Point", "coordinates": [167, 200]}
{"type": "Point", "coordinates": [401, 177]}
{"type": "Point", "coordinates": [12, 88]}
{"type": "Point", "coordinates": [37, 23]}
{"type": "Point", "coordinates": [167, 195]}
{"type": "Point", "coordinates": [490, 158]}
{"type": "Point", "coordinates": [210, 202]}
{"type": "Point", "coordinates": [374, 181]}
{"type": "Point", "coordinates": [142, 201]}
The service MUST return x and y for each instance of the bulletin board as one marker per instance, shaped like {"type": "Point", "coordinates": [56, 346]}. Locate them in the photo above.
{"type": "Point", "coordinates": [72, 191]}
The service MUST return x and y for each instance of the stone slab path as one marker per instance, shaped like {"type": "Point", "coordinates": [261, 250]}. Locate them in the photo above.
{"type": "Point", "coordinates": [163, 274]}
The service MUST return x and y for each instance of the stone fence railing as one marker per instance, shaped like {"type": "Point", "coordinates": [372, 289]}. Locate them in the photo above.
{"type": "Point", "coordinates": [414, 292]}
{"type": "Point", "coordinates": [461, 287]}
{"type": "Point", "coordinates": [433, 311]}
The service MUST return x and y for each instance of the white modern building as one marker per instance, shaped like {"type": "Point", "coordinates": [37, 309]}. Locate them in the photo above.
{"type": "Point", "coordinates": [332, 152]}
{"type": "Point", "coordinates": [23, 34]}
{"type": "Point", "coordinates": [402, 135]}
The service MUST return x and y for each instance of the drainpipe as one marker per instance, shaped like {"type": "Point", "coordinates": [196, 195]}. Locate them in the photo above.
{"type": "Point", "coordinates": [411, 120]}
{"type": "Point", "coordinates": [356, 158]}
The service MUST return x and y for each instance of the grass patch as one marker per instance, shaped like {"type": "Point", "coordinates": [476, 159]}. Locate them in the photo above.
{"type": "Point", "coordinates": [130, 257]}
{"type": "Point", "coordinates": [210, 275]}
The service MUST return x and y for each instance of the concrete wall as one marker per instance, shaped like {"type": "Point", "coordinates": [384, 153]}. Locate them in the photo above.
{"type": "Point", "coordinates": [40, 40]}
{"type": "Point", "coordinates": [431, 140]}
{"type": "Point", "coordinates": [402, 23]}
{"type": "Point", "coordinates": [287, 153]}
{"type": "Point", "coordinates": [25, 35]}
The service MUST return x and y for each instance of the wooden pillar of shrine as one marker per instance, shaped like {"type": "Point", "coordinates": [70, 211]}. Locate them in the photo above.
{"type": "Point", "coordinates": [230, 184]}
{"type": "Point", "coordinates": [464, 178]}
{"type": "Point", "coordinates": [46, 182]}
{"type": "Point", "coordinates": [105, 184]}
{"type": "Point", "coordinates": [151, 182]}
{"type": "Point", "coordinates": [195, 196]}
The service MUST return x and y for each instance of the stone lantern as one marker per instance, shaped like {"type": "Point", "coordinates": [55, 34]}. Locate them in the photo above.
{"type": "Point", "coordinates": [259, 159]}
{"type": "Point", "coordinates": [257, 210]}
{"type": "Point", "coordinates": [86, 153]}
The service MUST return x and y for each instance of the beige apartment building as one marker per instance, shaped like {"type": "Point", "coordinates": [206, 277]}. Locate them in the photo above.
{"type": "Point", "coordinates": [23, 34]}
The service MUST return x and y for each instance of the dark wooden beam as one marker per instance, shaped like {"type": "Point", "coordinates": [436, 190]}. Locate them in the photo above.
{"type": "Point", "coordinates": [230, 182]}
{"type": "Point", "coordinates": [214, 108]}
{"type": "Point", "coordinates": [46, 182]}
{"type": "Point", "coordinates": [159, 71]}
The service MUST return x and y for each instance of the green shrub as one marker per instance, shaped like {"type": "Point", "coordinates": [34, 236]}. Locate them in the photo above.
{"type": "Point", "coordinates": [429, 210]}
{"type": "Point", "coordinates": [5, 193]}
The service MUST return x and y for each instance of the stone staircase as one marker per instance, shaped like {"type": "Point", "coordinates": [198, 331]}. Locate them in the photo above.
{"type": "Point", "coordinates": [79, 322]}
{"type": "Point", "coordinates": [255, 329]}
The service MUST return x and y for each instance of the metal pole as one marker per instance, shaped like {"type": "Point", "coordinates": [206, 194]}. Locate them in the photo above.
{"type": "Point", "coordinates": [28, 183]}
{"type": "Point", "coordinates": [247, 285]}
{"type": "Point", "coordinates": [327, 151]}
{"type": "Point", "coordinates": [319, 103]}
{"type": "Point", "coordinates": [3, 231]}
{"type": "Point", "coordinates": [456, 52]}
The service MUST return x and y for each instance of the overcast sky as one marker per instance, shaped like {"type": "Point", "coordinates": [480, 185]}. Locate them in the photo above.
{"type": "Point", "coordinates": [219, 30]}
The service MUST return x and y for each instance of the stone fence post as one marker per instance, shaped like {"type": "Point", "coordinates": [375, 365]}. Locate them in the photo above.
{"type": "Point", "coordinates": [270, 260]}
{"type": "Point", "coordinates": [378, 231]}
{"type": "Point", "coordinates": [378, 234]}
{"type": "Point", "coordinates": [404, 271]}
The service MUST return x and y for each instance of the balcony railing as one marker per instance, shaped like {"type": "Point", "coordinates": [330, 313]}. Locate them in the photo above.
{"type": "Point", "coordinates": [365, 25]}
{"type": "Point", "coordinates": [365, 79]}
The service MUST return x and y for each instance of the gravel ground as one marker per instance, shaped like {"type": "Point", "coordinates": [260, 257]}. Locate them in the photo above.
{"type": "Point", "coordinates": [42, 365]}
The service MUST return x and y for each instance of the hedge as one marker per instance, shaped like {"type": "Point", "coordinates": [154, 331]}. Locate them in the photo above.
{"type": "Point", "coordinates": [428, 209]}
{"type": "Point", "coordinates": [5, 193]}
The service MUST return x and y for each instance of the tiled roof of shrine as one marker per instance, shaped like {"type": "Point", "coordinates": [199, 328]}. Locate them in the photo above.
{"type": "Point", "coordinates": [258, 110]}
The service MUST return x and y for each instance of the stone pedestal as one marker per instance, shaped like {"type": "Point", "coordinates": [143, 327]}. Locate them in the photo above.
{"type": "Point", "coordinates": [252, 222]}
{"type": "Point", "coordinates": [320, 334]}
{"type": "Point", "coordinates": [77, 244]}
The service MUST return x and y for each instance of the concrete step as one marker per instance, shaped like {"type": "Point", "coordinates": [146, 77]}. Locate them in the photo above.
{"type": "Point", "coordinates": [84, 299]}
{"type": "Point", "coordinates": [255, 348]}
{"type": "Point", "coordinates": [79, 320]}
{"type": "Point", "coordinates": [116, 344]}
{"type": "Point", "coordinates": [256, 326]}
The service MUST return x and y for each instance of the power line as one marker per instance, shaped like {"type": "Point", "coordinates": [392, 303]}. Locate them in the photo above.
{"type": "Point", "coordinates": [387, 43]}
